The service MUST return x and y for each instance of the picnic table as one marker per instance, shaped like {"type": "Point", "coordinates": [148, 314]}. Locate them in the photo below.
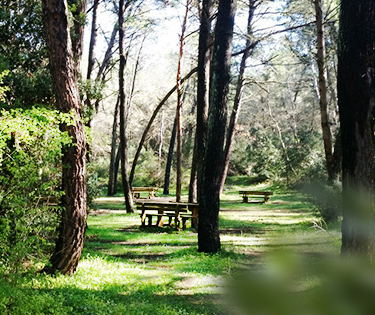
{"type": "Point", "coordinates": [255, 194]}
{"type": "Point", "coordinates": [178, 211]}
{"type": "Point", "coordinates": [136, 192]}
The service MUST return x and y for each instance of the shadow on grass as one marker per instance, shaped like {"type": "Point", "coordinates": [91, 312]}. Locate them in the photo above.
{"type": "Point", "coordinates": [136, 298]}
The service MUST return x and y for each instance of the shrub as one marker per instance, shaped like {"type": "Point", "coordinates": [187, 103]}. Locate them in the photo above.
{"type": "Point", "coordinates": [30, 168]}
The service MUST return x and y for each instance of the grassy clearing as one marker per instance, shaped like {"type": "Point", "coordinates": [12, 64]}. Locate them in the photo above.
{"type": "Point", "coordinates": [128, 270]}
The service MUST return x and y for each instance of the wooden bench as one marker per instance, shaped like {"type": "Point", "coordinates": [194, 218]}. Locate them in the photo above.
{"type": "Point", "coordinates": [180, 212]}
{"type": "Point", "coordinates": [136, 192]}
{"type": "Point", "coordinates": [255, 194]}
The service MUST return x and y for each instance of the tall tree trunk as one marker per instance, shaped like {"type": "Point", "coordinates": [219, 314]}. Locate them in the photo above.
{"type": "Point", "coordinates": [161, 139]}
{"type": "Point", "coordinates": [321, 55]}
{"type": "Point", "coordinates": [179, 105]}
{"type": "Point", "coordinates": [90, 68]}
{"type": "Point", "coordinates": [117, 167]}
{"type": "Point", "coordinates": [238, 96]}
{"type": "Point", "coordinates": [156, 111]}
{"type": "Point", "coordinates": [72, 229]}
{"type": "Point", "coordinates": [213, 160]}
{"type": "Point", "coordinates": [111, 181]}
{"type": "Point", "coordinates": [356, 90]}
{"type": "Point", "coordinates": [123, 114]}
{"type": "Point", "coordinates": [94, 33]}
{"type": "Point", "coordinates": [168, 165]}
{"type": "Point", "coordinates": [193, 175]}
{"type": "Point", "coordinates": [203, 76]}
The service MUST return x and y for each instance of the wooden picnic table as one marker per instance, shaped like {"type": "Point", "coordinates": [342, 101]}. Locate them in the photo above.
{"type": "Point", "coordinates": [255, 194]}
{"type": "Point", "coordinates": [180, 211]}
{"type": "Point", "coordinates": [136, 191]}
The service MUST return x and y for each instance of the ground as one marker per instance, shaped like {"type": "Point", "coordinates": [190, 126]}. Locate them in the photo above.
{"type": "Point", "coordinates": [129, 270]}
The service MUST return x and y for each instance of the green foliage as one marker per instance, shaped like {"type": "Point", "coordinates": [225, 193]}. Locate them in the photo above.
{"type": "Point", "coordinates": [3, 89]}
{"type": "Point", "coordinates": [30, 168]}
{"type": "Point", "coordinates": [23, 51]}
{"type": "Point", "coordinates": [148, 172]}
{"type": "Point", "coordinates": [327, 200]}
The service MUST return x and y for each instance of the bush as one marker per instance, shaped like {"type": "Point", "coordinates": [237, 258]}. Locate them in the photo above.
{"type": "Point", "coordinates": [30, 168]}
{"type": "Point", "coordinates": [326, 198]}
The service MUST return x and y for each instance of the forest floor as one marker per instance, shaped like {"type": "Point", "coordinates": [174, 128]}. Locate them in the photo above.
{"type": "Point", "coordinates": [129, 270]}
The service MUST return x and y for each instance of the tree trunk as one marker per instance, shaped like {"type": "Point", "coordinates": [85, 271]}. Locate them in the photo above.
{"type": "Point", "coordinates": [94, 33]}
{"type": "Point", "coordinates": [117, 167]}
{"type": "Point", "coordinates": [105, 65]}
{"type": "Point", "coordinates": [123, 114]}
{"type": "Point", "coordinates": [179, 105]}
{"type": "Point", "coordinates": [156, 111]}
{"type": "Point", "coordinates": [111, 181]}
{"type": "Point", "coordinates": [321, 55]}
{"type": "Point", "coordinates": [193, 175]}
{"type": "Point", "coordinates": [72, 229]}
{"type": "Point", "coordinates": [203, 76]}
{"type": "Point", "coordinates": [238, 96]}
{"type": "Point", "coordinates": [213, 160]}
{"type": "Point", "coordinates": [356, 90]}
{"type": "Point", "coordinates": [170, 158]}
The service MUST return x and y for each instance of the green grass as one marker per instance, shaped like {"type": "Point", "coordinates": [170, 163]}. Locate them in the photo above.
{"type": "Point", "coordinates": [128, 270]}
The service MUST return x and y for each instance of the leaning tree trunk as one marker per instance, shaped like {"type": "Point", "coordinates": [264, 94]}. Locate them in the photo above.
{"type": "Point", "coordinates": [237, 99]}
{"type": "Point", "coordinates": [322, 85]}
{"type": "Point", "coordinates": [72, 229]}
{"type": "Point", "coordinates": [123, 114]}
{"type": "Point", "coordinates": [213, 160]}
{"type": "Point", "coordinates": [106, 63]}
{"type": "Point", "coordinates": [356, 90]}
{"type": "Point", "coordinates": [147, 129]}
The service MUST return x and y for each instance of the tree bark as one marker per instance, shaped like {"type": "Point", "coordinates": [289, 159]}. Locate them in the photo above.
{"type": "Point", "coordinates": [123, 115]}
{"type": "Point", "coordinates": [193, 175]}
{"type": "Point", "coordinates": [156, 111]}
{"type": "Point", "coordinates": [168, 166]}
{"type": "Point", "coordinates": [111, 181]}
{"type": "Point", "coordinates": [203, 76]}
{"type": "Point", "coordinates": [322, 85]}
{"type": "Point", "coordinates": [213, 160]}
{"type": "Point", "coordinates": [179, 105]}
{"type": "Point", "coordinates": [238, 96]}
{"type": "Point", "coordinates": [356, 90]}
{"type": "Point", "coordinates": [72, 229]}
{"type": "Point", "coordinates": [94, 33]}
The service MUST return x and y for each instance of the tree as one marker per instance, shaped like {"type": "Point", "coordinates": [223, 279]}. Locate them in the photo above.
{"type": "Point", "coordinates": [72, 229]}
{"type": "Point", "coordinates": [123, 111]}
{"type": "Point", "coordinates": [23, 52]}
{"type": "Point", "coordinates": [322, 84]}
{"type": "Point", "coordinates": [356, 90]}
{"type": "Point", "coordinates": [203, 77]}
{"type": "Point", "coordinates": [239, 90]}
{"type": "Point", "coordinates": [179, 104]}
{"type": "Point", "coordinates": [213, 160]}
{"type": "Point", "coordinates": [152, 119]}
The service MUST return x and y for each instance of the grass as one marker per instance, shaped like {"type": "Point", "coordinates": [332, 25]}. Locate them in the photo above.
{"type": "Point", "coordinates": [128, 270]}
